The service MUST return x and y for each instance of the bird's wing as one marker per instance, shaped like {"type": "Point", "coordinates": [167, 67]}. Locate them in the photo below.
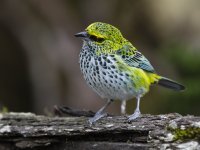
{"type": "Point", "coordinates": [134, 58]}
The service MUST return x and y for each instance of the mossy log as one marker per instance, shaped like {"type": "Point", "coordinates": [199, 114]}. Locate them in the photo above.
{"type": "Point", "coordinates": [29, 131]}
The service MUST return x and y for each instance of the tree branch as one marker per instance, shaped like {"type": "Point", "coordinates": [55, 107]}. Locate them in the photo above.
{"type": "Point", "coordinates": [26, 130]}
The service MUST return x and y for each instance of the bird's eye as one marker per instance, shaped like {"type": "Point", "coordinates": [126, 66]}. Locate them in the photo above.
{"type": "Point", "coordinates": [96, 39]}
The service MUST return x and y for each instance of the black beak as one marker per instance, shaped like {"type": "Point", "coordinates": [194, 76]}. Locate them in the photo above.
{"type": "Point", "coordinates": [81, 34]}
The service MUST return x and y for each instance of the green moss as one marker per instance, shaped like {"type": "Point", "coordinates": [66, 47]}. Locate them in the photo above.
{"type": "Point", "coordinates": [4, 110]}
{"type": "Point", "coordinates": [187, 133]}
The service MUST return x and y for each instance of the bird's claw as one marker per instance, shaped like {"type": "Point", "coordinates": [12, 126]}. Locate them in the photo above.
{"type": "Point", "coordinates": [96, 117]}
{"type": "Point", "coordinates": [134, 116]}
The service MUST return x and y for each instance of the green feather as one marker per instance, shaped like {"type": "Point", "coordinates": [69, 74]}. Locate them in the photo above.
{"type": "Point", "coordinates": [134, 58]}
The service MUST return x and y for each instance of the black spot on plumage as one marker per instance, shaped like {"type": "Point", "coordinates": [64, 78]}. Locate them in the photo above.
{"type": "Point", "coordinates": [105, 67]}
{"type": "Point", "coordinates": [105, 84]}
{"type": "Point", "coordinates": [101, 63]}
{"type": "Point", "coordinates": [123, 56]}
{"type": "Point", "coordinates": [114, 59]}
{"type": "Point", "coordinates": [99, 59]}
{"type": "Point", "coordinates": [97, 68]}
{"type": "Point", "coordinates": [96, 63]}
{"type": "Point", "coordinates": [121, 79]}
{"type": "Point", "coordinates": [112, 66]}
{"type": "Point", "coordinates": [108, 61]}
{"type": "Point", "coordinates": [121, 74]}
{"type": "Point", "coordinates": [104, 73]}
{"type": "Point", "coordinates": [111, 81]}
{"type": "Point", "coordinates": [111, 76]}
{"type": "Point", "coordinates": [127, 74]}
{"type": "Point", "coordinates": [104, 64]}
{"type": "Point", "coordinates": [116, 76]}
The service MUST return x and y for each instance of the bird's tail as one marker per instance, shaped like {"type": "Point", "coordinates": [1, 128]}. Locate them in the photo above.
{"type": "Point", "coordinates": [168, 83]}
{"type": "Point", "coordinates": [165, 82]}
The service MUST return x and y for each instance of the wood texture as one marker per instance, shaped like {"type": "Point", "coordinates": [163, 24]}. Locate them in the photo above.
{"type": "Point", "coordinates": [28, 131]}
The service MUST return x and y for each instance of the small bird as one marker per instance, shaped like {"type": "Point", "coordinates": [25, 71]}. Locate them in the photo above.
{"type": "Point", "coordinates": [115, 69]}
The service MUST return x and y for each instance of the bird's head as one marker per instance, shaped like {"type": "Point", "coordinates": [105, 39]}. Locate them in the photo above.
{"type": "Point", "coordinates": [103, 36]}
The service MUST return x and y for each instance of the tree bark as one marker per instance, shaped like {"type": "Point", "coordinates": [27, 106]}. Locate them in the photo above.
{"type": "Point", "coordinates": [29, 131]}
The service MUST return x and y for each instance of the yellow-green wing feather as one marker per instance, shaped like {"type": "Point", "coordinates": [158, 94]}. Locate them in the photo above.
{"type": "Point", "coordinates": [134, 58]}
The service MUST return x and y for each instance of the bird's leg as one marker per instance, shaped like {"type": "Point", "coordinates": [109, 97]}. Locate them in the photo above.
{"type": "Point", "coordinates": [123, 107]}
{"type": "Point", "coordinates": [137, 113]}
{"type": "Point", "coordinates": [100, 113]}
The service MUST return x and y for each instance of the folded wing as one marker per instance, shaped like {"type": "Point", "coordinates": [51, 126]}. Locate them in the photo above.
{"type": "Point", "coordinates": [134, 58]}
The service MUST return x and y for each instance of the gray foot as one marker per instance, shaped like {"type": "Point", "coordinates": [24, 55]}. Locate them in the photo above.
{"type": "Point", "coordinates": [134, 116]}
{"type": "Point", "coordinates": [96, 117]}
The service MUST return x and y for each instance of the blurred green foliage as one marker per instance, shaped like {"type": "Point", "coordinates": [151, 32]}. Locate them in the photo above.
{"type": "Point", "coordinates": [186, 62]}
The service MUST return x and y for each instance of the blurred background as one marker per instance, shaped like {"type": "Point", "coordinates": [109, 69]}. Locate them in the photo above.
{"type": "Point", "coordinates": [39, 54]}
